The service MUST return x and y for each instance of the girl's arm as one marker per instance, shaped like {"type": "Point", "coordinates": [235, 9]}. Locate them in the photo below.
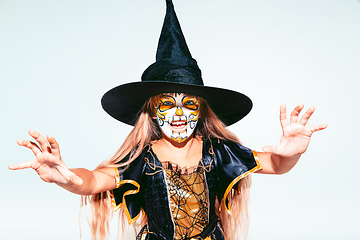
{"type": "Point", "coordinates": [50, 167]}
{"type": "Point", "coordinates": [96, 181]}
{"type": "Point", "coordinates": [275, 164]}
{"type": "Point", "coordinates": [294, 142]}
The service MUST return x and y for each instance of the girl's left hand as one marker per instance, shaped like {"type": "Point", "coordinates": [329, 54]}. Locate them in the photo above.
{"type": "Point", "coordinates": [296, 135]}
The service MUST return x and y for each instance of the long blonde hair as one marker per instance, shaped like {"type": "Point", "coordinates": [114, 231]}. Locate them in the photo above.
{"type": "Point", "coordinates": [235, 226]}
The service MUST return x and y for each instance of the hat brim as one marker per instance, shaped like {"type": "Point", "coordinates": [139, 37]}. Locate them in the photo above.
{"type": "Point", "coordinates": [125, 101]}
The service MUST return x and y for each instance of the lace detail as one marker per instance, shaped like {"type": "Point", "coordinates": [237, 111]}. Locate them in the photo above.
{"type": "Point", "coordinates": [158, 166]}
{"type": "Point", "coordinates": [182, 170]}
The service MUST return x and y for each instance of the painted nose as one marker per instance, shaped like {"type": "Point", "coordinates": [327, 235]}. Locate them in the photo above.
{"type": "Point", "coordinates": [179, 111]}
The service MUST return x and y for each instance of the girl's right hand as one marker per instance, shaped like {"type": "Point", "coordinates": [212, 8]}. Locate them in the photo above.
{"type": "Point", "coordinates": [47, 162]}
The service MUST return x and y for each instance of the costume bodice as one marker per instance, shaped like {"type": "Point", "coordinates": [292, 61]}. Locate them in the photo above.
{"type": "Point", "coordinates": [180, 206]}
{"type": "Point", "coordinates": [177, 201]}
{"type": "Point", "coordinates": [188, 199]}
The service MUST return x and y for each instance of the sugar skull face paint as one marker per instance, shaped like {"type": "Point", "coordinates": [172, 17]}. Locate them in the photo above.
{"type": "Point", "coordinates": [177, 115]}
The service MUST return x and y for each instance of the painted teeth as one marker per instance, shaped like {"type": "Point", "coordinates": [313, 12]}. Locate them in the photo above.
{"type": "Point", "coordinates": [177, 123]}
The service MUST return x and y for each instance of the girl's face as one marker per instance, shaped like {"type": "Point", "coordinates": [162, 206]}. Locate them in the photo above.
{"type": "Point", "coordinates": [177, 115]}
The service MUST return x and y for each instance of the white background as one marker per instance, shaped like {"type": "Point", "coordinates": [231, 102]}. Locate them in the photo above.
{"type": "Point", "coordinates": [57, 59]}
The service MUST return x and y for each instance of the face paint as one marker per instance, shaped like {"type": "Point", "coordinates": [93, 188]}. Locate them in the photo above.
{"type": "Point", "coordinates": [177, 115]}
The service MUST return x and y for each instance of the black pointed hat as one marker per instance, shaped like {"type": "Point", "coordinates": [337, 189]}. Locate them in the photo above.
{"type": "Point", "coordinates": [174, 71]}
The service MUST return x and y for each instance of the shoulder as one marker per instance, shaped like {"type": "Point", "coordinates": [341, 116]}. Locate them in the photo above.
{"type": "Point", "coordinates": [218, 144]}
{"type": "Point", "coordinates": [127, 166]}
{"type": "Point", "coordinates": [227, 151]}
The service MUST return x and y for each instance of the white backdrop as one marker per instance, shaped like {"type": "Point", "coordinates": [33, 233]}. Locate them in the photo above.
{"type": "Point", "coordinates": [57, 59]}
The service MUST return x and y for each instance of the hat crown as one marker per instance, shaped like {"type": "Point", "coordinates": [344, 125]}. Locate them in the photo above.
{"type": "Point", "coordinates": [174, 62]}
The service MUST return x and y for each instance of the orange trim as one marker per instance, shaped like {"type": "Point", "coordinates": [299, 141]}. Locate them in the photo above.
{"type": "Point", "coordinates": [237, 179]}
{"type": "Point", "coordinates": [113, 203]}
{"type": "Point", "coordinates": [117, 177]}
{"type": "Point", "coordinates": [123, 203]}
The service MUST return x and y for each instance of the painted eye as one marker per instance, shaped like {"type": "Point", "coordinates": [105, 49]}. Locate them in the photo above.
{"type": "Point", "coordinates": [190, 102]}
{"type": "Point", "coordinates": [167, 103]}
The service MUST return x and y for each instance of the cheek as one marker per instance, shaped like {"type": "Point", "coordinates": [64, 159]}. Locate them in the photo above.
{"type": "Point", "coordinates": [165, 115]}
{"type": "Point", "coordinates": [160, 115]}
{"type": "Point", "coordinates": [192, 115]}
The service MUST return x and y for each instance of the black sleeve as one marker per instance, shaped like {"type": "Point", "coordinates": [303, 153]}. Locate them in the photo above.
{"type": "Point", "coordinates": [127, 193]}
{"type": "Point", "coordinates": [233, 162]}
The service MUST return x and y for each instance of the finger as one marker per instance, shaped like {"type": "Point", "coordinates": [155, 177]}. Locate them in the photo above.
{"type": "Point", "coordinates": [54, 146]}
{"type": "Point", "coordinates": [304, 120]}
{"type": "Point", "coordinates": [283, 116]}
{"type": "Point", "coordinates": [41, 140]}
{"type": "Point", "coordinates": [295, 113]}
{"type": "Point", "coordinates": [32, 146]}
{"type": "Point", "coordinates": [19, 166]}
{"type": "Point", "coordinates": [318, 127]}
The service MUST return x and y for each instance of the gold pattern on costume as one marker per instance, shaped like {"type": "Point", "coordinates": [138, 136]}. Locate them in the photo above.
{"type": "Point", "coordinates": [188, 198]}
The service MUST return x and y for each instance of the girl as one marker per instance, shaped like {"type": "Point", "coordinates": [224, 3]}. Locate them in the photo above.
{"type": "Point", "coordinates": [180, 172]}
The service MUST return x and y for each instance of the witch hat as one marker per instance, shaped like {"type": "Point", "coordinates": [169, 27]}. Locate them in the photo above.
{"type": "Point", "coordinates": [175, 71]}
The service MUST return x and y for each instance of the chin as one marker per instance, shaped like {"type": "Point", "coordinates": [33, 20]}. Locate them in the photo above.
{"type": "Point", "coordinates": [179, 139]}
{"type": "Point", "coordinates": [180, 136]}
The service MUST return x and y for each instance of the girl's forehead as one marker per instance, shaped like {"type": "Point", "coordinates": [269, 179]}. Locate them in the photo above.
{"type": "Point", "coordinates": [176, 95]}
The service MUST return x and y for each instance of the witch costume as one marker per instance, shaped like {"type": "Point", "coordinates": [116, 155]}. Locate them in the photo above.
{"type": "Point", "coordinates": [179, 203]}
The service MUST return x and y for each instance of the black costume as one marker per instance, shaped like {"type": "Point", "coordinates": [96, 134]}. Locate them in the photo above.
{"type": "Point", "coordinates": [159, 190]}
